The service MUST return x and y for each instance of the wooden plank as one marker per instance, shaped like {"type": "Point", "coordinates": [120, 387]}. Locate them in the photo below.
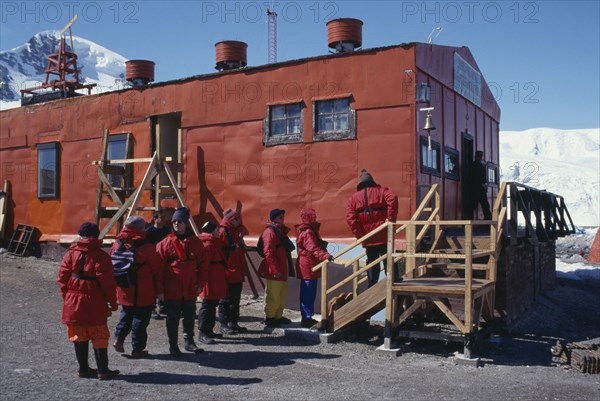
{"type": "Point", "coordinates": [450, 315]}
{"type": "Point", "coordinates": [451, 286]}
{"type": "Point", "coordinates": [137, 160]}
{"type": "Point", "coordinates": [468, 275]}
{"type": "Point", "coordinates": [410, 310]}
{"type": "Point", "coordinates": [150, 173]}
{"type": "Point", "coordinates": [351, 277]}
{"type": "Point", "coordinates": [101, 163]}
{"type": "Point", "coordinates": [109, 188]}
{"type": "Point", "coordinates": [368, 303]}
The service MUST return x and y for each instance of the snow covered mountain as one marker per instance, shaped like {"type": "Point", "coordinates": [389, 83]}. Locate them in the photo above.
{"type": "Point", "coordinates": [565, 162]}
{"type": "Point", "coordinates": [24, 66]}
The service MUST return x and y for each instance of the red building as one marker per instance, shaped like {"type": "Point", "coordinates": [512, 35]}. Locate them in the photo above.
{"type": "Point", "coordinates": [288, 135]}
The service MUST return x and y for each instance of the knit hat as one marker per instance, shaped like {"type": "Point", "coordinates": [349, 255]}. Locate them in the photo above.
{"type": "Point", "coordinates": [230, 214]}
{"type": "Point", "coordinates": [136, 222]}
{"type": "Point", "coordinates": [274, 213]}
{"type": "Point", "coordinates": [365, 176]}
{"type": "Point", "coordinates": [181, 213]}
{"type": "Point", "coordinates": [209, 227]}
{"type": "Point", "coordinates": [308, 215]}
{"type": "Point", "coordinates": [88, 230]}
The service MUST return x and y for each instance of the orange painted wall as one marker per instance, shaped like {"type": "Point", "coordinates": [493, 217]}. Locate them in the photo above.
{"type": "Point", "coordinates": [226, 164]}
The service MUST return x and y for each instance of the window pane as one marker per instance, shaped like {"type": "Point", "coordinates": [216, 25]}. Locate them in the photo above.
{"type": "Point", "coordinates": [325, 123]}
{"type": "Point", "coordinates": [424, 155]}
{"type": "Point", "coordinates": [47, 171]}
{"type": "Point", "coordinates": [340, 122]}
{"type": "Point", "coordinates": [325, 107]}
{"type": "Point", "coordinates": [434, 158]}
{"type": "Point", "coordinates": [341, 106]}
{"type": "Point", "coordinates": [116, 149]}
{"type": "Point", "coordinates": [293, 110]}
{"type": "Point", "coordinates": [277, 112]}
{"type": "Point", "coordinates": [278, 127]}
{"type": "Point", "coordinates": [293, 126]}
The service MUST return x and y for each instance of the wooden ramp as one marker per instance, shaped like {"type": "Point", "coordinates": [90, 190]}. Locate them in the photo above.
{"type": "Point", "coordinates": [361, 308]}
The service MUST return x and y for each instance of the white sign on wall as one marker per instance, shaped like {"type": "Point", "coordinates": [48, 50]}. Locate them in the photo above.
{"type": "Point", "coordinates": [467, 80]}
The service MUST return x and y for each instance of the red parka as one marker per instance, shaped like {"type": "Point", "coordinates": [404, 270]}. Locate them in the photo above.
{"type": "Point", "coordinates": [368, 208]}
{"type": "Point", "coordinates": [276, 260]}
{"type": "Point", "coordinates": [85, 301]}
{"type": "Point", "coordinates": [149, 274]}
{"type": "Point", "coordinates": [181, 265]}
{"type": "Point", "coordinates": [231, 238]}
{"type": "Point", "coordinates": [213, 279]}
{"type": "Point", "coordinates": [310, 252]}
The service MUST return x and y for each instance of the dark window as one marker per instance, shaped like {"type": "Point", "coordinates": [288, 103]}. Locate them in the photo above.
{"type": "Point", "coordinates": [451, 164]}
{"type": "Point", "coordinates": [48, 170]}
{"type": "Point", "coordinates": [333, 120]}
{"type": "Point", "coordinates": [117, 149]}
{"type": "Point", "coordinates": [430, 156]}
{"type": "Point", "coordinates": [492, 174]}
{"type": "Point", "coordinates": [283, 124]}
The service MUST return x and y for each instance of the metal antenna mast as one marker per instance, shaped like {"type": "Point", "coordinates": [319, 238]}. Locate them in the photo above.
{"type": "Point", "coordinates": [272, 17]}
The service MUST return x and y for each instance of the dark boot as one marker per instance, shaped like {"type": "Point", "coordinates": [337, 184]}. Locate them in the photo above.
{"type": "Point", "coordinates": [81, 353]}
{"type": "Point", "coordinates": [172, 328]}
{"type": "Point", "coordinates": [237, 327]}
{"type": "Point", "coordinates": [104, 373]}
{"type": "Point", "coordinates": [190, 345]}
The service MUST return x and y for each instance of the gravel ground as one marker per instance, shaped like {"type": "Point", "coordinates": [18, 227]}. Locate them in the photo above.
{"type": "Point", "coordinates": [37, 362]}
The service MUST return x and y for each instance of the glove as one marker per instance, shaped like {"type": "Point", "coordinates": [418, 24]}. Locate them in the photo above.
{"type": "Point", "coordinates": [330, 258]}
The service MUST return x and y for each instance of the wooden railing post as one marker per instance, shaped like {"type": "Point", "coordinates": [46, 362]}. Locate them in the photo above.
{"type": "Point", "coordinates": [324, 284]}
{"type": "Point", "coordinates": [468, 277]}
{"type": "Point", "coordinates": [355, 267]}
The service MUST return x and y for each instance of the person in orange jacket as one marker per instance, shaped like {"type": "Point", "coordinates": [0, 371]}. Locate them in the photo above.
{"type": "Point", "coordinates": [88, 290]}
{"type": "Point", "coordinates": [137, 302]}
{"type": "Point", "coordinates": [213, 281]}
{"type": "Point", "coordinates": [369, 207]}
{"type": "Point", "coordinates": [181, 254]}
{"type": "Point", "coordinates": [275, 267]}
{"type": "Point", "coordinates": [311, 251]}
{"type": "Point", "coordinates": [231, 235]}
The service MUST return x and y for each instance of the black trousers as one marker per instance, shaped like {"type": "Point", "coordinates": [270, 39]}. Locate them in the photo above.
{"type": "Point", "coordinates": [480, 198]}
{"type": "Point", "coordinates": [374, 252]}
{"type": "Point", "coordinates": [229, 308]}
{"type": "Point", "coordinates": [207, 316]}
{"type": "Point", "coordinates": [176, 309]}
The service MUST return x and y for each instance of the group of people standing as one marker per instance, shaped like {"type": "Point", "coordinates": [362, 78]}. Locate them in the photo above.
{"type": "Point", "coordinates": [174, 266]}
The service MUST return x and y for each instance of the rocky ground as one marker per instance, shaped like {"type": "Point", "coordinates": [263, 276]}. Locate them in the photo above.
{"type": "Point", "coordinates": [37, 361]}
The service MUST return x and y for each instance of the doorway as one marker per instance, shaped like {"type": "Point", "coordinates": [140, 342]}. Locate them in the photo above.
{"type": "Point", "coordinates": [467, 160]}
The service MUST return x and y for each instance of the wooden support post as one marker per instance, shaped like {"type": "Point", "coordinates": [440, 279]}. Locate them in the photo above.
{"type": "Point", "coordinates": [151, 172]}
{"type": "Point", "coordinates": [355, 266]}
{"type": "Point", "coordinates": [410, 249]}
{"type": "Point", "coordinates": [101, 165]}
{"type": "Point", "coordinates": [389, 307]}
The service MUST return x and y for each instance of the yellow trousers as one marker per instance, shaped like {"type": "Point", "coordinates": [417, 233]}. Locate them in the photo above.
{"type": "Point", "coordinates": [276, 294]}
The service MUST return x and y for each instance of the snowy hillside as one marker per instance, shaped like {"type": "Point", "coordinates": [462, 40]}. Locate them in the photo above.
{"type": "Point", "coordinates": [24, 66]}
{"type": "Point", "coordinates": [565, 162]}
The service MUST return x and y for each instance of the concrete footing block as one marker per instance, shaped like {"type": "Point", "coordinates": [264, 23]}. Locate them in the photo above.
{"type": "Point", "coordinates": [460, 359]}
{"type": "Point", "coordinates": [392, 351]}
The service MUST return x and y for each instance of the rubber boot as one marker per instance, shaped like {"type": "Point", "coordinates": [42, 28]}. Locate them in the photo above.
{"type": "Point", "coordinates": [104, 373]}
{"type": "Point", "coordinates": [81, 353]}
{"type": "Point", "coordinates": [190, 345]}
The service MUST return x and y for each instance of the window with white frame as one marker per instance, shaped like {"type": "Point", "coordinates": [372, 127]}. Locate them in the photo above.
{"type": "Point", "coordinates": [430, 156]}
{"type": "Point", "coordinates": [451, 164]}
{"type": "Point", "coordinates": [333, 119]}
{"type": "Point", "coordinates": [492, 174]}
{"type": "Point", "coordinates": [283, 124]}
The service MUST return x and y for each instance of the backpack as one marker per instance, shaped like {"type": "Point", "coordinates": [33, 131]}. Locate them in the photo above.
{"type": "Point", "coordinates": [124, 266]}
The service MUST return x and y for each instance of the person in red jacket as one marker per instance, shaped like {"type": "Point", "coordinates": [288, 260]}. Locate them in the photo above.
{"type": "Point", "coordinates": [311, 251]}
{"type": "Point", "coordinates": [231, 235]}
{"type": "Point", "coordinates": [275, 267]}
{"type": "Point", "coordinates": [88, 290]}
{"type": "Point", "coordinates": [367, 209]}
{"type": "Point", "coordinates": [213, 281]}
{"type": "Point", "coordinates": [137, 302]}
{"type": "Point", "coordinates": [181, 255]}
